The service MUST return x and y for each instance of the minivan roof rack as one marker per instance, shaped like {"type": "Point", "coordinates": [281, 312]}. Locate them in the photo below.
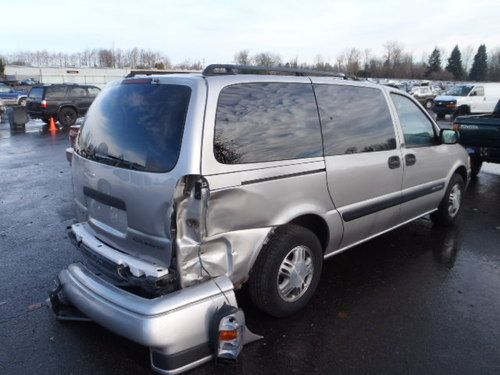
{"type": "Point", "coordinates": [146, 72]}
{"type": "Point", "coordinates": [229, 69]}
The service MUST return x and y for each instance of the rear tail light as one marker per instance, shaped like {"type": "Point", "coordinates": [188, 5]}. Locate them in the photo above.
{"type": "Point", "coordinates": [44, 104]}
{"type": "Point", "coordinates": [456, 126]}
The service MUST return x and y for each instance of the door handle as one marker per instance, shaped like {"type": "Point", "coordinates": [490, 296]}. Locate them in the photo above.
{"type": "Point", "coordinates": [394, 162]}
{"type": "Point", "coordinates": [410, 159]}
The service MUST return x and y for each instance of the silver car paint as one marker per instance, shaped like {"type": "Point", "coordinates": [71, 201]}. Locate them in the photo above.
{"type": "Point", "coordinates": [238, 212]}
{"type": "Point", "coordinates": [158, 323]}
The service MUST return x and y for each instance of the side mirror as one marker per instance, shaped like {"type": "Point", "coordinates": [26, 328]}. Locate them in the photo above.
{"type": "Point", "coordinates": [449, 136]}
{"type": "Point", "coordinates": [473, 93]}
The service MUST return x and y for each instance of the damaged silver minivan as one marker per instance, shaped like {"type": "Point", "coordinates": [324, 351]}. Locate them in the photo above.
{"type": "Point", "coordinates": [188, 186]}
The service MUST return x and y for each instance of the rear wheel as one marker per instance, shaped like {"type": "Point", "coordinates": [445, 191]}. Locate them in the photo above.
{"type": "Point", "coordinates": [428, 104]}
{"type": "Point", "coordinates": [22, 102]}
{"type": "Point", "coordinates": [286, 272]}
{"type": "Point", "coordinates": [449, 207]}
{"type": "Point", "coordinates": [475, 165]}
{"type": "Point", "coordinates": [67, 117]}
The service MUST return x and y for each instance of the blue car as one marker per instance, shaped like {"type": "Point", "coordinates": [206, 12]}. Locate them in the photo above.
{"type": "Point", "coordinates": [9, 96]}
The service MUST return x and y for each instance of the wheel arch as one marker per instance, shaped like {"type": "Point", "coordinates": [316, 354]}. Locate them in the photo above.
{"type": "Point", "coordinates": [462, 172]}
{"type": "Point", "coordinates": [68, 105]}
{"type": "Point", "coordinates": [315, 224]}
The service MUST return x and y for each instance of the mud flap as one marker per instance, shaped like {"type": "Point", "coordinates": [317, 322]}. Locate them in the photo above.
{"type": "Point", "coordinates": [61, 308]}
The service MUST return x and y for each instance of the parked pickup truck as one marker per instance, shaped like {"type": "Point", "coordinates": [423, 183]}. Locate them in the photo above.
{"type": "Point", "coordinates": [9, 96]}
{"type": "Point", "coordinates": [480, 135]}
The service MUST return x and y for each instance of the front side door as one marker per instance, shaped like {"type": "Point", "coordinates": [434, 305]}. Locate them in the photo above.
{"type": "Point", "coordinates": [362, 156]}
{"type": "Point", "coordinates": [477, 100]}
{"type": "Point", "coordinates": [426, 161]}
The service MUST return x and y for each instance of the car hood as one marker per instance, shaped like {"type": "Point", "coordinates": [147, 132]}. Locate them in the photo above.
{"type": "Point", "coordinates": [445, 98]}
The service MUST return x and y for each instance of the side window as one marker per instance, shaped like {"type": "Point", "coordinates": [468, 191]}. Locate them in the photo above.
{"type": "Point", "coordinates": [354, 119]}
{"type": "Point", "coordinates": [478, 91]}
{"type": "Point", "coordinates": [77, 92]}
{"type": "Point", "coordinates": [55, 92]}
{"type": "Point", "coordinates": [417, 128]}
{"type": "Point", "coordinates": [259, 122]}
{"type": "Point", "coordinates": [93, 91]}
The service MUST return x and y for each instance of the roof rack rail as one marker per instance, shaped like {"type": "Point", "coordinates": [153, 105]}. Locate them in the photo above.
{"type": "Point", "coordinates": [146, 72]}
{"type": "Point", "coordinates": [229, 69]}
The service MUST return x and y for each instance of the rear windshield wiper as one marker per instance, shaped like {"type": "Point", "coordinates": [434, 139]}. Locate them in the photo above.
{"type": "Point", "coordinates": [116, 161]}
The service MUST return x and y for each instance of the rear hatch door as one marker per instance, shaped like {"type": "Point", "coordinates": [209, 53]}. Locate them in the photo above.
{"type": "Point", "coordinates": [123, 167]}
{"type": "Point", "coordinates": [34, 99]}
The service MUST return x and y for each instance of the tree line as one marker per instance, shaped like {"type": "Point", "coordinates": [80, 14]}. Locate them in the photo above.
{"type": "Point", "coordinates": [135, 58]}
{"type": "Point", "coordinates": [395, 62]}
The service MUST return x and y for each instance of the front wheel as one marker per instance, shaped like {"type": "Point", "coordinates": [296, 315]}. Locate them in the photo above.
{"type": "Point", "coordinates": [449, 207]}
{"type": "Point", "coordinates": [286, 272]}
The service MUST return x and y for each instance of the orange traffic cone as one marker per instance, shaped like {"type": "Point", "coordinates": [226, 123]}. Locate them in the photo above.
{"type": "Point", "coordinates": [53, 126]}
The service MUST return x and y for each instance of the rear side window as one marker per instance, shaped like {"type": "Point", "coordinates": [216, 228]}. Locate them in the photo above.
{"type": "Point", "coordinates": [354, 119]}
{"type": "Point", "coordinates": [93, 91]}
{"type": "Point", "coordinates": [77, 92]}
{"type": "Point", "coordinates": [136, 126]}
{"type": "Point", "coordinates": [36, 93]}
{"type": "Point", "coordinates": [53, 92]}
{"type": "Point", "coordinates": [417, 128]}
{"type": "Point", "coordinates": [261, 122]}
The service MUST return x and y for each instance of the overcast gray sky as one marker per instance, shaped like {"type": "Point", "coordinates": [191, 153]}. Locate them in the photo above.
{"type": "Point", "coordinates": [214, 30]}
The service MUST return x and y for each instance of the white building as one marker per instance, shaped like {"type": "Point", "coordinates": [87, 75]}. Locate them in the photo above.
{"type": "Point", "coordinates": [92, 76]}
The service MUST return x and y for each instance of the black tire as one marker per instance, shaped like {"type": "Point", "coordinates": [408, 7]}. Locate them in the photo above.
{"type": "Point", "coordinates": [263, 285]}
{"type": "Point", "coordinates": [428, 104]}
{"type": "Point", "coordinates": [440, 116]}
{"type": "Point", "coordinates": [446, 214]}
{"type": "Point", "coordinates": [475, 166]}
{"type": "Point", "coordinates": [461, 111]}
{"type": "Point", "coordinates": [67, 116]}
{"type": "Point", "coordinates": [22, 102]}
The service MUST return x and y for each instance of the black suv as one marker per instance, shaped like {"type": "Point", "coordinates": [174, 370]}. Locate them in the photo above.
{"type": "Point", "coordinates": [65, 102]}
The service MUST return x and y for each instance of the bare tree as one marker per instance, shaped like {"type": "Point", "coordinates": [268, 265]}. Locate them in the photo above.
{"type": "Point", "coordinates": [467, 56]}
{"type": "Point", "coordinates": [267, 59]}
{"type": "Point", "coordinates": [242, 57]}
{"type": "Point", "coordinates": [106, 59]}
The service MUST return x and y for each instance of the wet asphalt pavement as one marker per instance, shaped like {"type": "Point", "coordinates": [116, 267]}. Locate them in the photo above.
{"type": "Point", "coordinates": [418, 300]}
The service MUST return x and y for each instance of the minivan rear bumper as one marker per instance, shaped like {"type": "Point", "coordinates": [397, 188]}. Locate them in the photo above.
{"type": "Point", "coordinates": [174, 326]}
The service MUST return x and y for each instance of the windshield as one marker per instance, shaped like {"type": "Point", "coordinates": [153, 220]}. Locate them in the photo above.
{"type": "Point", "coordinates": [460, 90]}
{"type": "Point", "coordinates": [136, 126]}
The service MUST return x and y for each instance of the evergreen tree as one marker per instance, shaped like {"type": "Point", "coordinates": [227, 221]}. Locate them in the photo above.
{"type": "Point", "coordinates": [455, 64]}
{"type": "Point", "coordinates": [434, 62]}
{"type": "Point", "coordinates": [2, 67]}
{"type": "Point", "coordinates": [479, 70]}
